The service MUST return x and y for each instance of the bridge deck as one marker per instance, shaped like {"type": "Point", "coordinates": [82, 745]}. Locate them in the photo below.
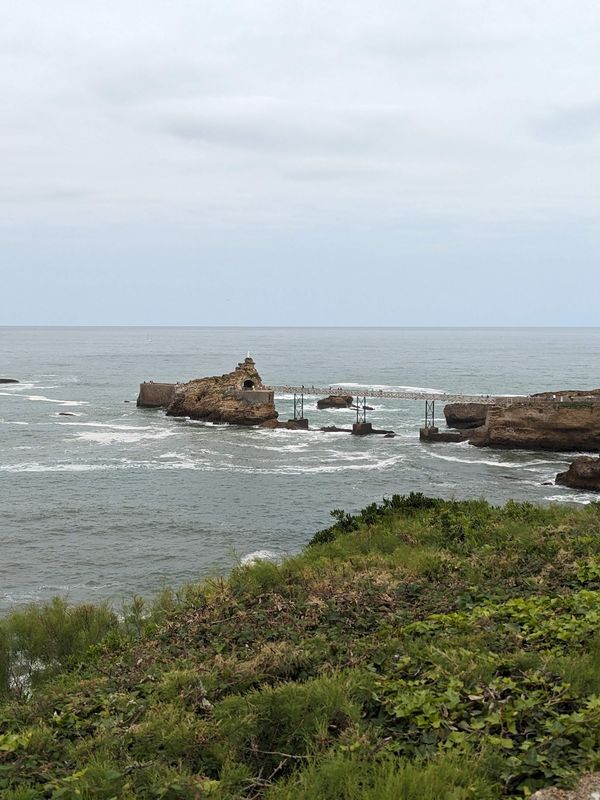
{"type": "Point", "coordinates": [398, 395]}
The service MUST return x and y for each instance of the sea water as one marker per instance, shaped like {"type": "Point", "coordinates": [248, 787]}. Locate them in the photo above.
{"type": "Point", "coordinates": [102, 500]}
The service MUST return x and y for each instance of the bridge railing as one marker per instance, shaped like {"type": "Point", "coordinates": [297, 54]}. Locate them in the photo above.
{"type": "Point", "coordinates": [371, 392]}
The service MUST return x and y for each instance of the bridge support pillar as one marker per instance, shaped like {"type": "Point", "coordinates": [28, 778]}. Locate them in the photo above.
{"type": "Point", "coordinates": [362, 428]}
{"type": "Point", "coordinates": [300, 422]}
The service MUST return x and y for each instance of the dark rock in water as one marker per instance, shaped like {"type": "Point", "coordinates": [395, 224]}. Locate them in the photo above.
{"type": "Point", "coordinates": [360, 408]}
{"type": "Point", "coordinates": [237, 397]}
{"type": "Point", "coordinates": [335, 429]}
{"type": "Point", "coordinates": [547, 483]}
{"type": "Point", "coordinates": [435, 435]}
{"type": "Point", "coordinates": [66, 414]}
{"type": "Point", "coordinates": [127, 401]}
{"type": "Point", "coordinates": [8, 380]}
{"type": "Point", "coordinates": [290, 424]}
{"type": "Point", "coordinates": [389, 435]}
{"type": "Point", "coordinates": [466, 415]}
{"type": "Point", "coordinates": [584, 473]}
{"type": "Point", "coordinates": [335, 401]}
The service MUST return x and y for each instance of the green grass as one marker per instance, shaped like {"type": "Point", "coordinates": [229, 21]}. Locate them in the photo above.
{"type": "Point", "coordinates": [419, 649]}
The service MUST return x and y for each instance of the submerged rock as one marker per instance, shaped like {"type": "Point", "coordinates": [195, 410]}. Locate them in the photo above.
{"type": "Point", "coordinates": [8, 380]}
{"type": "Point", "coordinates": [584, 473]}
{"type": "Point", "coordinates": [237, 397]}
{"type": "Point", "coordinates": [335, 401]}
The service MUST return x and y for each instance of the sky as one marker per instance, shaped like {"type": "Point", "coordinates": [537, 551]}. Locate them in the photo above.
{"type": "Point", "coordinates": [276, 162]}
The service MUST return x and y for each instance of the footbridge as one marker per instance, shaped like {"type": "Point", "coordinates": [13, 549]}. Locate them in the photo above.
{"type": "Point", "coordinates": [401, 394]}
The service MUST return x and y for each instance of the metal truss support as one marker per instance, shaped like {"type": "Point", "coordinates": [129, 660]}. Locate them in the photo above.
{"type": "Point", "coordinates": [430, 413]}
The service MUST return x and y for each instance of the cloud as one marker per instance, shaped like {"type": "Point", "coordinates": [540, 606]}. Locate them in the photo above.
{"type": "Point", "coordinates": [266, 124]}
{"type": "Point", "coordinates": [570, 125]}
{"type": "Point", "coordinates": [261, 110]}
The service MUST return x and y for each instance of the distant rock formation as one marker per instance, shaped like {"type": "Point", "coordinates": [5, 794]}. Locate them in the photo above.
{"type": "Point", "coordinates": [542, 425]}
{"type": "Point", "coordinates": [466, 415]}
{"type": "Point", "coordinates": [237, 397]}
{"type": "Point", "coordinates": [335, 401]}
{"type": "Point", "coordinates": [569, 394]}
{"type": "Point", "coordinates": [8, 380]}
{"type": "Point", "coordinates": [584, 473]}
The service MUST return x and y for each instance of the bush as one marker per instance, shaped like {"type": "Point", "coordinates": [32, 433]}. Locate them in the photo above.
{"type": "Point", "coordinates": [40, 638]}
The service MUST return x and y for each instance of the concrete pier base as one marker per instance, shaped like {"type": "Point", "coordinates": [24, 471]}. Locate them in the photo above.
{"type": "Point", "coordinates": [300, 423]}
{"type": "Point", "coordinates": [362, 428]}
{"type": "Point", "coordinates": [434, 435]}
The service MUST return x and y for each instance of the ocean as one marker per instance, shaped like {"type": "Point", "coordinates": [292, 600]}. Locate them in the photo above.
{"type": "Point", "coordinates": [116, 501]}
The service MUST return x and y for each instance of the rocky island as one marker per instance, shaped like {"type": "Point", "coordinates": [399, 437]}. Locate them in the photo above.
{"type": "Point", "coordinates": [237, 397]}
{"type": "Point", "coordinates": [561, 421]}
{"type": "Point", "coordinates": [335, 401]}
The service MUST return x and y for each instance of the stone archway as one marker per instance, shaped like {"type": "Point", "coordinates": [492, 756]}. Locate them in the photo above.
{"type": "Point", "coordinates": [248, 384]}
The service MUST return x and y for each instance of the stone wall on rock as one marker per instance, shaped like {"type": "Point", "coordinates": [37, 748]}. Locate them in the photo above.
{"type": "Point", "coordinates": [156, 395]}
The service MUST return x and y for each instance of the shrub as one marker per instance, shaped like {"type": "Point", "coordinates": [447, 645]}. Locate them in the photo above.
{"type": "Point", "coordinates": [38, 639]}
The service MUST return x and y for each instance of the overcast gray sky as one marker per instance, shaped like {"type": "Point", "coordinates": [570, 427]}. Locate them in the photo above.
{"type": "Point", "coordinates": [302, 163]}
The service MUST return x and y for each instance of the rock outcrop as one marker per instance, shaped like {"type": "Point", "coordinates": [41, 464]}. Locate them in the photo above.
{"type": "Point", "coordinates": [541, 425]}
{"type": "Point", "coordinates": [8, 380]}
{"type": "Point", "coordinates": [289, 425]}
{"type": "Point", "coordinates": [568, 394]}
{"type": "Point", "coordinates": [237, 397]}
{"type": "Point", "coordinates": [584, 473]}
{"type": "Point", "coordinates": [335, 401]}
{"type": "Point", "coordinates": [466, 415]}
{"type": "Point", "coordinates": [588, 788]}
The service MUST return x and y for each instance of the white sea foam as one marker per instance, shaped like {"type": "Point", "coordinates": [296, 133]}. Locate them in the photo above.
{"type": "Point", "coordinates": [259, 555]}
{"type": "Point", "coordinates": [283, 448]}
{"type": "Point", "coordinates": [203, 465]}
{"type": "Point", "coordinates": [17, 387]}
{"type": "Point", "coordinates": [36, 467]}
{"type": "Point", "coordinates": [13, 422]}
{"type": "Point", "coordinates": [43, 399]}
{"type": "Point", "coordinates": [492, 463]}
{"type": "Point", "coordinates": [126, 436]}
{"type": "Point", "coordinates": [582, 499]}
{"type": "Point", "coordinates": [109, 425]}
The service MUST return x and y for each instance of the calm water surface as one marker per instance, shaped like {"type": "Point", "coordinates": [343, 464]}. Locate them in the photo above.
{"type": "Point", "coordinates": [116, 501]}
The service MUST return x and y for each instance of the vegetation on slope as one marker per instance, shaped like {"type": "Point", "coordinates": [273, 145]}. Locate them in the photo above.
{"type": "Point", "coordinates": [420, 649]}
